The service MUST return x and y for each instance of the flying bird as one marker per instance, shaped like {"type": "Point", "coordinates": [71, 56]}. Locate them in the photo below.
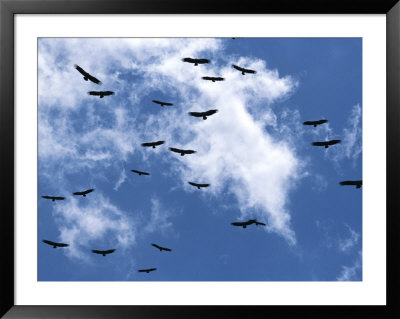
{"type": "Point", "coordinates": [161, 248]}
{"type": "Point", "coordinates": [203, 114]}
{"type": "Point", "coordinates": [55, 245]}
{"type": "Point", "coordinates": [357, 184]}
{"type": "Point", "coordinates": [247, 223]}
{"type": "Point", "coordinates": [87, 76]}
{"type": "Point", "coordinates": [153, 144]}
{"type": "Point", "coordinates": [213, 78]}
{"type": "Point", "coordinates": [54, 198]}
{"type": "Point", "coordinates": [182, 152]}
{"type": "Point", "coordinates": [84, 193]}
{"type": "Point", "coordinates": [195, 61]}
{"type": "Point", "coordinates": [139, 172]}
{"type": "Point", "coordinates": [101, 93]}
{"type": "Point", "coordinates": [103, 252]}
{"type": "Point", "coordinates": [147, 270]}
{"type": "Point", "coordinates": [243, 70]}
{"type": "Point", "coordinates": [198, 185]}
{"type": "Point", "coordinates": [326, 143]}
{"type": "Point", "coordinates": [315, 123]}
{"type": "Point", "coordinates": [162, 103]}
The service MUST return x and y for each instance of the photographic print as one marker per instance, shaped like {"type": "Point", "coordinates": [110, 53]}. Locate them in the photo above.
{"type": "Point", "coordinates": [200, 159]}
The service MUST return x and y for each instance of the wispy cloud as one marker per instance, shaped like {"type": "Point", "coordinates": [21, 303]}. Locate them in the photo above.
{"type": "Point", "coordinates": [93, 223]}
{"type": "Point", "coordinates": [159, 218]}
{"type": "Point", "coordinates": [351, 273]}
{"type": "Point", "coordinates": [347, 244]}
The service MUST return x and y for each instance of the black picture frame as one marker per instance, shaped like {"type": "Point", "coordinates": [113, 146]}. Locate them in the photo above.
{"type": "Point", "coordinates": [8, 8]}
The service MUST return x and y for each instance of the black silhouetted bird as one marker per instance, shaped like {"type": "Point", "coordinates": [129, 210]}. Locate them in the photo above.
{"type": "Point", "coordinates": [357, 184]}
{"type": "Point", "coordinates": [203, 114]}
{"type": "Point", "coordinates": [139, 172]}
{"type": "Point", "coordinates": [55, 245]}
{"type": "Point", "coordinates": [147, 270]}
{"type": "Point", "coordinates": [182, 152]}
{"type": "Point", "coordinates": [247, 223]}
{"type": "Point", "coordinates": [326, 144]}
{"type": "Point", "coordinates": [198, 185]}
{"type": "Point", "coordinates": [87, 76]}
{"type": "Point", "coordinates": [315, 123]}
{"type": "Point", "coordinates": [195, 61]}
{"type": "Point", "coordinates": [54, 198]}
{"type": "Point", "coordinates": [103, 252]}
{"type": "Point", "coordinates": [161, 248]}
{"type": "Point", "coordinates": [101, 93]}
{"type": "Point", "coordinates": [213, 78]}
{"type": "Point", "coordinates": [153, 144]}
{"type": "Point", "coordinates": [162, 103]}
{"type": "Point", "coordinates": [243, 70]}
{"type": "Point", "coordinates": [84, 193]}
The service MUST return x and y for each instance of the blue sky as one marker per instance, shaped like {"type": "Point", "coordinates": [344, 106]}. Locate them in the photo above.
{"type": "Point", "coordinates": [255, 153]}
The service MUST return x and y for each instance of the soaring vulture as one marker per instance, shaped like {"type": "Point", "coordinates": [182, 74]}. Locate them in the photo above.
{"type": "Point", "coordinates": [213, 78]}
{"type": "Point", "coordinates": [84, 193]}
{"type": "Point", "coordinates": [182, 152]}
{"type": "Point", "coordinates": [249, 222]}
{"type": "Point", "coordinates": [87, 76]}
{"type": "Point", "coordinates": [101, 93]}
{"type": "Point", "coordinates": [55, 245]}
{"type": "Point", "coordinates": [243, 70]}
{"type": "Point", "coordinates": [103, 252]}
{"type": "Point", "coordinates": [161, 248]}
{"type": "Point", "coordinates": [162, 103]}
{"type": "Point", "coordinates": [203, 114]}
{"type": "Point", "coordinates": [139, 172]}
{"type": "Point", "coordinates": [198, 185]}
{"type": "Point", "coordinates": [326, 143]}
{"type": "Point", "coordinates": [357, 184]}
{"type": "Point", "coordinates": [195, 61]}
{"type": "Point", "coordinates": [147, 270]}
{"type": "Point", "coordinates": [54, 198]}
{"type": "Point", "coordinates": [153, 144]}
{"type": "Point", "coordinates": [315, 123]}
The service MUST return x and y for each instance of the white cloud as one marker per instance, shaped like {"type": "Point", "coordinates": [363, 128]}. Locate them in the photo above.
{"type": "Point", "coordinates": [159, 218]}
{"type": "Point", "coordinates": [234, 150]}
{"type": "Point", "coordinates": [347, 244]}
{"type": "Point", "coordinates": [93, 223]}
{"type": "Point", "coordinates": [121, 180]}
{"type": "Point", "coordinates": [351, 273]}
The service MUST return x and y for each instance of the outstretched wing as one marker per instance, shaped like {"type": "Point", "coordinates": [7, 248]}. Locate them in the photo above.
{"type": "Point", "coordinates": [238, 223]}
{"type": "Point", "coordinates": [260, 223]}
{"type": "Point", "coordinates": [210, 112]}
{"type": "Point", "coordinates": [139, 172]}
{"type": "Point", "coordinates": [188, 151]}
{"type": "Point", "coordinates": [48, 242]}
{"type": "Point", "coordinates": [309, 123]}
{"type": "Point", "coordinates": [249, 71]}
{"type": "Point", "coordinates": [237, 67]}
{"type": "Point", "coordinates": [333, 142]}
{"type": "Point", "coordinates": [197, 114]}
{"type": "Point", "coordinates": [94, 93]}
{"type": "Point", "coordinates": [108, 93]}
{"type": "Point", "coordinates": [81, 71]}
{"type": "Point", "coordinates": [159, 142]}
{"type": "Point", "coordinates": [109, 251]}
{"type": "Point", "coordinates": [88, 191]}
{"type": "Point", "coordinates": [93, 79]}
{"type": "Point", "coordinates": [176, 150]}
{"type": "Point", "coordinates": [319, 143]}
{"type": "Point", "coordinates": [321, 122]}
{"type": "Point", "coordinates": [155, 245]}
{"type": "Point", "coordinates": [189, 60]}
